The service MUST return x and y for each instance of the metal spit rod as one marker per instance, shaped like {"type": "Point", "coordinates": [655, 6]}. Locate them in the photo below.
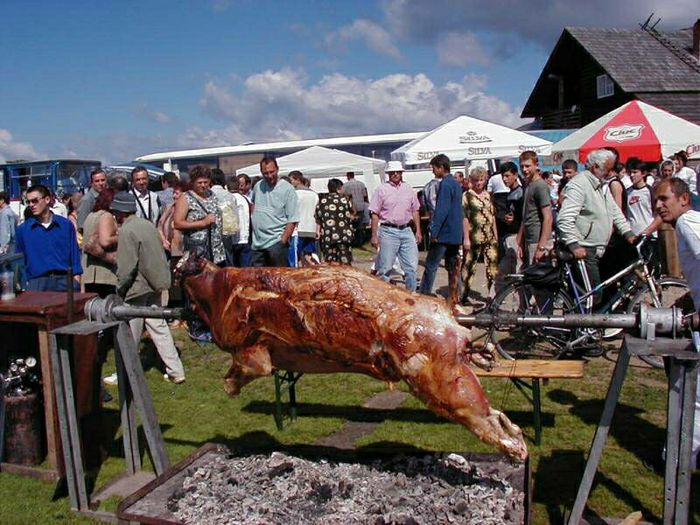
{"type": "Point", "coordinates": [558, 321]}
{"type": "Point", "coordinates": [667, 321]}
{"type": "Point", "coordinates": [112, 308]}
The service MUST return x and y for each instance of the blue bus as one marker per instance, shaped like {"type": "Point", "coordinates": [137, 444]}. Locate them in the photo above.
{"type": "Point", "coordinates": [59, 175]}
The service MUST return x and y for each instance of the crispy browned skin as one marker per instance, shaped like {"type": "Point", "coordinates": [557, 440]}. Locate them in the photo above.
{"type": "Point", "coordinates": [338, 319]}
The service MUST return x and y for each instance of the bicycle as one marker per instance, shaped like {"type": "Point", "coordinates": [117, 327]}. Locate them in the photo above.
{"type": "Point", "coordinates": [528, 295]}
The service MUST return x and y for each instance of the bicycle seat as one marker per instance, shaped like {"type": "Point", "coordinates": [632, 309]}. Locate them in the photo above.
{"type": "Point", "coordinates": [563, 254]}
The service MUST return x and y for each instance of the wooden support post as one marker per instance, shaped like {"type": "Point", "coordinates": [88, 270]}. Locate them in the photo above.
{"type": "Point", "coordinates": [126, 346]}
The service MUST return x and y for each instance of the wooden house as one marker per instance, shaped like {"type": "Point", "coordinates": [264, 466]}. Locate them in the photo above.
{"type": "Point", "coordinates": [592, 71]}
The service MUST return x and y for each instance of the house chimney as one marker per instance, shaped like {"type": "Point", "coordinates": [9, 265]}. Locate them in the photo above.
{"type": "Point", "coordinates": [696, 39]}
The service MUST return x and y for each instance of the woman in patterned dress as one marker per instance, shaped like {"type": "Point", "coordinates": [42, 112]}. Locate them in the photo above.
{"type": "Point", "coordinates": [198, 216]}
{"type": "Point", "coordinates": [483, 240]}
{"type": "Point", "coordinates": [334, 224]}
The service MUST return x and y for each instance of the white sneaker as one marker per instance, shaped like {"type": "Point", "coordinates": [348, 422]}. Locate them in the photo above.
{"type": "Point", "coordinates": [174, 379]}
{"type": "Point", "coordinates": [111, 380]}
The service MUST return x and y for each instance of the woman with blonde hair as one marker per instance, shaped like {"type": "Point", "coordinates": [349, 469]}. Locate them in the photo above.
{"type": "Point", "coordinates": [480, 227]}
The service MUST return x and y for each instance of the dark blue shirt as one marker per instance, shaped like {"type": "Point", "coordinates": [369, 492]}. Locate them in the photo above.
{"type": "Point", "coordinates": [446, 223]}
{"type": "Point", "coordinates": [48, 249]}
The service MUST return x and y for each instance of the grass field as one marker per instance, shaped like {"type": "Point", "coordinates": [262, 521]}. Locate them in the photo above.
{"type": "Point", "coordinates": [198, 412]}
{"type": "Point", "coordinates": [630, 476]}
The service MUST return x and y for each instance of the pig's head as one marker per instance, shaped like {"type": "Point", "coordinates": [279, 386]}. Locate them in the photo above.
{"type": "Point", "coordinates": [195, 274]}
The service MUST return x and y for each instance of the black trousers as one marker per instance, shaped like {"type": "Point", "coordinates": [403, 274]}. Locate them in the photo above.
{"type": "Point", "coordinates": [276, 256]}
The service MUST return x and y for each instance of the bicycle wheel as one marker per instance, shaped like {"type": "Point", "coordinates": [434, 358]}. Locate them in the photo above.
{"type": "Point", "coordinates": [672, 292]}
{"type": "Point", "coordinates": [530, 342]}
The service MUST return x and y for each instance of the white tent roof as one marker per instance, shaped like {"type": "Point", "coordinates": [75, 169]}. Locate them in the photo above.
{"type": "Point", "coordinates": [320, 164]}
{"type": "Point", "coordinates": [470, 138]}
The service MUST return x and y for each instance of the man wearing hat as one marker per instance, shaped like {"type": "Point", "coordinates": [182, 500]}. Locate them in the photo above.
{"type": "Point", "coordinates": [143, 276]}
{"type": "Point", "coordinates": [394, 205]}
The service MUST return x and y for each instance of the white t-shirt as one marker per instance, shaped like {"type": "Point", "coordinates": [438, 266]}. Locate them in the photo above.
{"type": "Point", "coordinates": [689, 177]}
{"type": "Point", "coordinates": [243, 207]}
{"type": "Point", "coordinates": [640, 209]}
{"type": "Point", "coordinates": [308, 199]}
{"type": "Point", "coordinates": [496, 184]}
{"type": "Point", "coordinates": [688, 234]}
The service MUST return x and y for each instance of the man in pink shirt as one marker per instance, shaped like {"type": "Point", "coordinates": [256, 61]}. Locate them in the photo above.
{"type": "Point", "coordinates": [394, 205]}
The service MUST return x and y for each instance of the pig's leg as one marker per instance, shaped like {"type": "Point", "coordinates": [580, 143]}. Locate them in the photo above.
{"type": "Point", "coordinates": [450, 388]}
{"type": "Point", "coordinates": [247, 364]}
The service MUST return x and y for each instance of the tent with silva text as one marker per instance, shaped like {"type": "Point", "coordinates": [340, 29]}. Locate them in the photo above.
{"type": "Point", "coordinates": [319, 165]}
{"type": "Point", "coordinates": [468, 138]}
{"type": "Point", "coordinates": [635, 129]}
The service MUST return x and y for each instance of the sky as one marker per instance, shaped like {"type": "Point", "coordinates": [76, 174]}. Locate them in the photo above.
{"type": "Point", "coordinates": [113, 80]}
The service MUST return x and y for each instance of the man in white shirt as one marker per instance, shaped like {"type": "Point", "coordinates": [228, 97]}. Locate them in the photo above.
{"type": "Point", "coordinates": [673, 206]}
{"type": "Point", "coordinates": [241, 241]}
{"type": "Point", "coordinates": [305, 233]}
{"type": "Point", "coordinates": [147, 202]}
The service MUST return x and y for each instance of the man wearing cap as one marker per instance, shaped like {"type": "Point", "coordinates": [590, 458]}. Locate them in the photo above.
{"type": "Point", "coordinates": [394, 205]}
{"type": "Point", "coordinates": [49, 244]}
{"type": "Point", "coordinates": [143, 276]}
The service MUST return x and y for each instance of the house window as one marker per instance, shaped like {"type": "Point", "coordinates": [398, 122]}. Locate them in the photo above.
{"type": "Point", "coordinates": [604, 86]}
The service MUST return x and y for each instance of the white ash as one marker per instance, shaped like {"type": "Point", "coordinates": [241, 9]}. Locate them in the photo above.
{"type": "Point", "coordinates": [262, 489]}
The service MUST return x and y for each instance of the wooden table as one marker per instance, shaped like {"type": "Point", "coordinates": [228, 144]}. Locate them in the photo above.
{"type": "Point", "coordinates": [25, 323]}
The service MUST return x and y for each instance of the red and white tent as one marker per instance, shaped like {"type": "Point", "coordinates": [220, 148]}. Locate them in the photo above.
{"type": "Point", "coordinates": [635, 129]}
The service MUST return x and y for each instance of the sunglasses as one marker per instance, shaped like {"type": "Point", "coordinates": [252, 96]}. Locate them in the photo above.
{"type": "Point", "coordinates": [35, 201]}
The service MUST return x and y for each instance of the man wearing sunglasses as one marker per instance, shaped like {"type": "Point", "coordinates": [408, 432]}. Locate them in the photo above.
{"type": "Point", "coordinates": [49, 245]}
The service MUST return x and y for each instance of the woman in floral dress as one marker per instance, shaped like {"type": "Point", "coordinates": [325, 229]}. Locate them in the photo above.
{"type": "Point", "coordinates": [198, 216]}
{"type": "Point", "coordinates": [483, 240]}
{"type": "Point", "coordinates": [334, 224]}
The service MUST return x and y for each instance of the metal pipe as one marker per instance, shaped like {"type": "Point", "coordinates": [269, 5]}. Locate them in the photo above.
{"type": "Point", "coordinates": [558, 321]}
{"type": "Point", "coordinates": [112, 308]}
{"type": "Point", "coordinates": [126, 311]}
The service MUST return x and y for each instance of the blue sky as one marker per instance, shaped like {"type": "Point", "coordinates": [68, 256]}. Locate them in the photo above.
{"type": "Point", "coordinates": [112, 80]}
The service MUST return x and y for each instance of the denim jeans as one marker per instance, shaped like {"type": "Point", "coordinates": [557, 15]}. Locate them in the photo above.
{"type": "Point", "coordinates": [432, 261]}
{"type": "Point", "coordinates": [50, 283]}
{"type": "Point", "coordinates": [237, 255]}
{"type": "Point", "coordinates": [392, 243]}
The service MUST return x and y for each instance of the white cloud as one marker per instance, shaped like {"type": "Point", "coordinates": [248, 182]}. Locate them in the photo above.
{"type": "Point", "coordinates": [460, 49]}
{"type": "Point", "coordinates": [144, 112]}
{"type": "Point", "coordinates": [13, 150]}
{"type": "Point", "coordinates": [370, 33]}
{"type": "Point", "coordinates": [539, 21]}
{"type": "Point", "coordinates": [283, 105]}
{"type": "Point", "coordinates": [220, 5]}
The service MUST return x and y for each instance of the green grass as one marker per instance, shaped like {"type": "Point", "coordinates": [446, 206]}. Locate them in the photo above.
{"type": "Point", "coordinates": [199, 412]}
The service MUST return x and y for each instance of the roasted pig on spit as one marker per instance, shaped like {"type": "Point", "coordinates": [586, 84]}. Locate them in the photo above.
{"type": "Point", "coordinates": [325, 319]}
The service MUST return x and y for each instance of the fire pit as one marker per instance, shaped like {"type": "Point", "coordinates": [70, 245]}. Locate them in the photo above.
{"type": "Point", "coordinates": [215, 487]}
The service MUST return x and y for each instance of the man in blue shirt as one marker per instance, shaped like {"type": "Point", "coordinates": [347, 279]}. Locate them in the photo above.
{"type": "Point", "coordinates": [49, 244]}
{"type": "Point", "coordinates": [446, 228]}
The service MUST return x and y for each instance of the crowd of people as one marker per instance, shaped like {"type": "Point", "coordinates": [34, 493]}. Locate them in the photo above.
{"type": "Point", "coordinates": [122, 237]}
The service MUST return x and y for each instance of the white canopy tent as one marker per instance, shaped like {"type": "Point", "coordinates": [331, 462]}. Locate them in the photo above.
{"type": "Point", "coordinates": [320, 164]}
{"type": "Point", "coordinates": [468, 138]}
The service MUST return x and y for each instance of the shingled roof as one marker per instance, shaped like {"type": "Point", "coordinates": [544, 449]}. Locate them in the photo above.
{"type": "Point", "coordinates": [640, 62]}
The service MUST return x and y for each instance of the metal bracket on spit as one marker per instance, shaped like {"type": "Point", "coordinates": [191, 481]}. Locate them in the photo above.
{"type": "Point", "coordinates": [2, 417]}
{"type": "Point", "coordinates": [681, 356]}
{"type": "Point", "coordinates": [134, 396]}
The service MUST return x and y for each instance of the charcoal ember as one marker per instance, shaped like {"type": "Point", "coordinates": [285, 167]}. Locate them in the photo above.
{"type": "Point", "coordinates": [279, 488]}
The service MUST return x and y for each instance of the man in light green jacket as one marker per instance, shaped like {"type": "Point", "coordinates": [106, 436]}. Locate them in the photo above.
{"type": "Point", "coordinates": [144, 275]}
{"type": "Point", "coordinates": [587, 216]}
